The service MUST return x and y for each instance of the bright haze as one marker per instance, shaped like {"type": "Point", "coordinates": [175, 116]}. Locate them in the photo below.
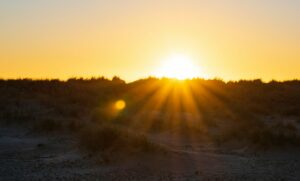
{"type": "Point", "coordinates": [133, 39]}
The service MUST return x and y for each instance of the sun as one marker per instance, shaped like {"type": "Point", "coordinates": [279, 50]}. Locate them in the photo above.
{"type": "Point", "coordinates": [178, 66]}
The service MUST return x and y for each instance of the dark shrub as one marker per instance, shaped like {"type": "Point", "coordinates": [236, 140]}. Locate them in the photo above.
{"type": "Point", "coordinates": [260, 135]}
{"type": "Point", "coordinates": [107, 137]}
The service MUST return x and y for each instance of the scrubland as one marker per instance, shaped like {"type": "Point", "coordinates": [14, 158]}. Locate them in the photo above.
{"type": "Point", "coordinates": [166, 130]}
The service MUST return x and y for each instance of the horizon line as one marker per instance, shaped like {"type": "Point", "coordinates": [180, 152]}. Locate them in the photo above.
{"type": "Point", "coordinates": [87, 78]}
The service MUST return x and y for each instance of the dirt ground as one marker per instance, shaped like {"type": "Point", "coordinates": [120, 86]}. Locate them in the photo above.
{"type": "Point", "coordinates": [28, 156]}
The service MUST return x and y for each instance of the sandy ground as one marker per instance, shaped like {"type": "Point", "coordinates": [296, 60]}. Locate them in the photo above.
{"type": "Point", "coordinates": [28, 156]}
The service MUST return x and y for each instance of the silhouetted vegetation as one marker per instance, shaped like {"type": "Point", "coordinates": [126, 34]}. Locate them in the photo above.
{"type": "Point", "coordinates": [263, 114]}
{"type": "Point", "coordinates": [111, 138]}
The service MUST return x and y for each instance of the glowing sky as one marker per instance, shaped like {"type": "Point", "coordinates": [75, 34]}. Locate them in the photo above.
{"type": "Point", "coordinates": [231, 39]}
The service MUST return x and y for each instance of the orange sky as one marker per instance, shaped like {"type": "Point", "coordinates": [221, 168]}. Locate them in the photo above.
{"type": "Point", "coordinates": [230, 40]}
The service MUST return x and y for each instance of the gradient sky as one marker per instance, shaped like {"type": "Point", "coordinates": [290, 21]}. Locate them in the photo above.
{"type": "Point", "coordinates": [233, 39]}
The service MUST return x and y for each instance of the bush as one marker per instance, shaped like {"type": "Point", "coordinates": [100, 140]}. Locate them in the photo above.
{"type": "Point", "coordinates": [260, 135]}
{"type": "Point", "coordinates": [111, 138]}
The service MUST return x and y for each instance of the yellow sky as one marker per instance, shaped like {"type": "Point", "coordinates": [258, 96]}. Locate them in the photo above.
{"type": "Point", "coordinates": [230, 40]}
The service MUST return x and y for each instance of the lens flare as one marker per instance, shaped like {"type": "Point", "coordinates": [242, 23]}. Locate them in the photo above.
{"type": "Point", "coordinates": [120, 104]}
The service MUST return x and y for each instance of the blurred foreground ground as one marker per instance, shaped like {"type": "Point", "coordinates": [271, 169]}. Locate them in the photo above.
{"type": "Point", "coordinates": [26, 156]}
